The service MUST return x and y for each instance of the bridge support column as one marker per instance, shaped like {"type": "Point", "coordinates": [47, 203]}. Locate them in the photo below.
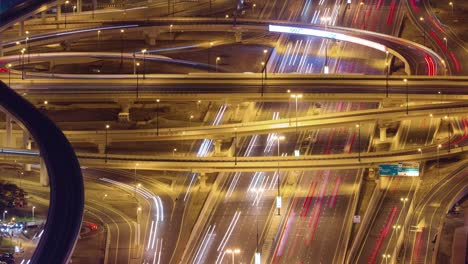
{"type": "Point", "coordinates": [21, 29]}
{"type": "Point", "coordinates": [79, 4]}
{"type": "Point", "coordinates": [383, 133]}
{"type": "Point", "coordinates": [217, 147]}
{"type": "Point", "coordinates": [101, 148]}
{"type": "Point", "coordinates": [27, 143]}
{"type": "Point", "coordinates": [8, 131]}
{"type": "Point", "coordinates": [124, 114]}
{"type": "Point", "coordinates": [59, 15]}
{"type": "Point", "coordinates": [43, 176]}
{"type": "Point", "coordinates": [202, 178]}
{"type": "Point", "coordinates": [238, 35]}
{"type": "Point", "coordinates": [43, 17]}
{"type": "Point", "coordinates": [151, 36]}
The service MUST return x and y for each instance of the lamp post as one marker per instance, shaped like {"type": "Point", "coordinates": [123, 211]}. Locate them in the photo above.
{"type": "Point", "coordinates": [296, 97]}
{"type": "Point", "coordinates": [144, 63]}
{"type": "Point", "coordinates": [138, 225]}
{"type": "Point", "coordinates": [157, 117]}
{"type": "Point", "coordinates": [32, 209]}
{"type": "Point", "coordinates": [217, 61]}
{"type": "Point", "coordinates": [135, 178]}
{"type": "Point", "coordinates": [407, 96]}
{"type": "Point", "coordinates": [9, 74]}
{"type": "Point", "coordinates": [233, 252]}
{"type": "Point", "coordinates": [105, 146]}
{"type": "Point", "coordinates": [99, 39]}
{"type": "Point", "coordinates": [386, 257]}
{"type": "Point", "coordinates": [4, 212]}
{"type": "Point", "coordinates": [122, 31]}
{"type": "Point", "coordinates": [358, 126]}
{"type": "Point", "coordinates": [278, 197]}
{"type": "Point", "coordinates": [387, 69]}
{"type": "Point", "coordinates": [404, 200]}
{"type": "Point", "coordinates": [451, 5]}
{"type": "Point", "coordinates": [66, 7]}
{"type": "Point", "coordinates": [173, 152]}
{"type": "Point", "coordinates": [448, 132]}
{"type": "Point", "coordinates": [22, 63]}
{"type": "Point", "coordinates": [137, 84]}
{"type": "Point", "coordinates": [190, 120]}
{"type": "Point", "coordinates": [424, 29]}
{"type": "Point", "coordinates": [235, 146]}
{"type": "Point", "coordinates": [446, 44]}
{"type": "Point", "coordinates": [27, 46]}
{"type": "Point", "coordinates": [438, 157]}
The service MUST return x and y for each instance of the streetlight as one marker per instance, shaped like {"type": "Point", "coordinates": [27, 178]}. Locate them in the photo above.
{"type": "Point", "coordinates": [235, 146]}
{"type": "Point", "coordinates": [358, 126]}
{"type": "Point", "coordinates": [99, 39]}
{"type": "Point", "coordinates": [217, 62]}
{"type": "Point", "coordinates": [105, 146]}
{"type": "Point", "coordinates": [135, 178]}
{"type": "Point", "coordinates": [278, 197]}
{"type": "Point", "coordinates": [9, 74]}
{"type": "Point", "coordinates": [144, 64]}
{"type": "Point", "coordinates": [157, 117]}
{"type": "Point", "coordinates": [438, 157]}
{"type": "Point", "coordinates": [190, 120]}
{"type": "Point", "coordinates": [32, 209]}
{"type": "Point", "coordinates": [174, 151]}
{"type": "Point", "coordinates": [66, 5]}
{"type": "Point", "coordinates": [137, 84]}
{"type": "Point", "coordinates": [296, 97]}
{"type": "Point", "coordinates": [446, 44]}
{"type": "Point", "coordinates": [253, 8]}
{"type": "Point", "coordinates": [122, 31]}
{"type": "Point", "coordinates": [387, 66]}
{"type": "Point", "coordinates": [22, 63]}
{"type": "Point", "coordinates": [233, 252]}
{"type": "Point", "coordinates": [448, 131]}
{"type": "Point", "coordinates": [386, 256]}
{"type": "Point", "coordinates": [138, 225]}
{"type": "Point", "coordinates": [74, 9]}
{"type": "Point", "coordinates": [4, 212]}
{"type": "Point", "coordinates": [424, 29]}
{"type": "Point", "coordinates": [407, 96]}
{"type": "Point", "coordinates": [404, 200]}
{"type": "Point", "coordinates": [451, 5]}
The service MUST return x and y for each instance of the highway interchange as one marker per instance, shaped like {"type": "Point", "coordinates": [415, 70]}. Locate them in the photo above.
{"type": "Point", "coordinates": [272, 164]}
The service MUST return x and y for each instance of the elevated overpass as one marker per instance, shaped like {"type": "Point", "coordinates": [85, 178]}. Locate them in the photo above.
{"type": "Point", "coordinates": [228, 164]}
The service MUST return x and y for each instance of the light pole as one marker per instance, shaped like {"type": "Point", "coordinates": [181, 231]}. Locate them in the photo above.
{"type": "Point", "coordinates": [22, 63]}
{"type": "Point", "coordinates": [190, 120]}
{"type": "Point", "coordinates": [122, 31]}
{"type": "Point", "coordinates": [99, 39]}
{"type": "Point", "coordinates": [138, 225]}
{"type": "Point", "coordinates": [296, 97]}
{"type": "Point", "coordinates": [387, 66]}
{"type": "Point", "coordinates": [157, 117]}
{"type": "Point", "coordinates": [9, 74]}
{"type": "Point", "coordinates": [105, 146]}
{"type": "Point", "coordinates": [66, 7]}
{"type": "Point", "coordinates": [32, 209]}
{"type": "Point", "coordinates": [27, 46]}
{"type": "Point", "coordinates": [278, 197]}
{"type": "Point", "coordinates": [217, 62]}
{"type": "Point", "coordinates": [144, 63]}
{"type": "Point", "coordinates": [438, 157]}
{"type": "Point", "coordinates": [135, 178]}
{"type": "Point", "coordinates": [233, 252]}
{"type": "Point", "coordinates": [446, 44]}
{"type": "Point", "coordinates": [424, 29]}
{"type": "Point", "coordinates": [137, 84]}
{"type": "Point", "coordinates": [358, 126]}
{"type": "Point", "coordinates": [235, 146]}
{"type": "Point", "coordinates": [451, 5]}
{"type": "Point", "coordinates": [386, 257]}
{"type": "Point", "coordinates": [404, 200]}
{"type": "Point", "coordinates": [407, 96]}
{"type": "Point", "coordinates": [4, 212]}
{"type": "Point", "coordinates": [173, 152]}
{"type": "Point", "coordinates": [448, 132]}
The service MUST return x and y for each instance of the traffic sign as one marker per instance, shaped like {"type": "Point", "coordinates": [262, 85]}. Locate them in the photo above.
{"type": "Point", "coordinates": [410, 169]}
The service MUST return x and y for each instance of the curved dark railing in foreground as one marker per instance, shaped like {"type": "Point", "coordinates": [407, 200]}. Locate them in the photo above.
{"type": "Point", "coordinates": [66, 182]}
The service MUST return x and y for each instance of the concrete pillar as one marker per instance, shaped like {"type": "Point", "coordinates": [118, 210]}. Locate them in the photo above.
{"type": "Point", "coordinates": [383, 133]}
{"type": "Point", "coordinates": [21, 29]}
{"type": "Point", "coordinates": [124, 115]}
{"type": "Point", "coordinates": [43, 17]}
{"type": "Point", "coordinates": [217, 145]}
{"type": "Point", "coordinates": [202, 178]}
{"type": "Point", "coordinates": [238, 35]}
{"type": "Point", "coordinates": [79, 6]}
{"type": "Point", "coordinates": [8, 131]}
{"type": "Point", "coordinates": [371, 173]}
{"type": "Point", "coordinates": [44, 177]}
{"type": "Point", "coordinates": [59, 16]}
{"type": "Point", "coordinates": [27, 144]}
{"type": "Point", "coordinates": [101, 148]}
{"type": "Point", "coordinates": [151, 36]}
{"type": "Point", "coordinates": [94, 4]}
